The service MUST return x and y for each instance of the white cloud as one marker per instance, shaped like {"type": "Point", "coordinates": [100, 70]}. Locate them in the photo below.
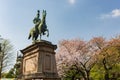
{"type": "Point", "coordinates": [72, 1]}
{"type": "Point", "coordinates": [116, 13]}
{"type": "Point", "coordinates": [113, 14]}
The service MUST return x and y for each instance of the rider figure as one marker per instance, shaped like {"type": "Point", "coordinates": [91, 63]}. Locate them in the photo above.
{"type": "Point", "coordinates": [37, 20]}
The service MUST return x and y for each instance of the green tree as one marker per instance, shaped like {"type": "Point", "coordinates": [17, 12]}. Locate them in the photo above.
{"type": "Point", "coordinates": [108, 59]}
{"type": "Point", "coordinates": [11, 73]}
{"type": "Point", "coordinates": [108, 64]}
{"type": "Point", "coordinates": [72, 74]}
{"type": "Point", "coordinates": [97, 72]}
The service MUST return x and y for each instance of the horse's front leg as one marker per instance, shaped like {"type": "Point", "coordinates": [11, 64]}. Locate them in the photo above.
{"type": "Point", "coordinates": [40, 36]}
{"type": "Point", "coordinates": [47, 33]}
{"type": "Point", "coordinates": [33, 39]}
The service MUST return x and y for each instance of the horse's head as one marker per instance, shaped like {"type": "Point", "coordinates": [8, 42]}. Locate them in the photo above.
{"type": "Point", "coordinates": [44, 14]}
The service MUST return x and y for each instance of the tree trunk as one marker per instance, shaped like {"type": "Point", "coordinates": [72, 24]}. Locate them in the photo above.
{"type": "Point", "coordinates": [1, 66]}
{"type": "Point", "coordinates": [73, 77]}
{"type": "Point", "coordinates": [106, 75]}
{"type": "Point", "coordinates": [1, 70]}
{"type": "Point", "coordinates": [0, 73]}
{"type": "Point", "coordinates": [88, 75]}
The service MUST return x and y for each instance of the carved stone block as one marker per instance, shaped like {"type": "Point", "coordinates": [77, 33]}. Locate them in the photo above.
{"type": "Point", "coordinates": [39, 62]}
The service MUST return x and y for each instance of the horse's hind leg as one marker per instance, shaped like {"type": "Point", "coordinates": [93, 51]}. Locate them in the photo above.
{"type": "Point", "coordinates": [40, 36]}
{"type": "Point", "coordinates": [29, 36]}
{"type": "Point", "coordinates": [36, 36]}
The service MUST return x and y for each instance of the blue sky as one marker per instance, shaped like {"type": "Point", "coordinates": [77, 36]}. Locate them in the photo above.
{"type": "Point", "coordinates": [66, 19]}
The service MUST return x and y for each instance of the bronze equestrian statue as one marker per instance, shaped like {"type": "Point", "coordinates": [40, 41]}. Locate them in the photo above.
{"type": "Point", "coordinates": [40, 27]}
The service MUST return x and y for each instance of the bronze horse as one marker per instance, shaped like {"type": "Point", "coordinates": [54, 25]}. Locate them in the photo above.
{"type": "Point", "coordinates": [39, 29]}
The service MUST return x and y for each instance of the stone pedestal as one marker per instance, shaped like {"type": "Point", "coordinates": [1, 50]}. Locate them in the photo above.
{"type": "Point", "coordinates": [39, 62]}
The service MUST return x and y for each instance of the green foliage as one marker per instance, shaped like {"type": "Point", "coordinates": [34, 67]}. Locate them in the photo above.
{"type": "Point", "coordinates": [72, 74]}
{"type": "Point", "coordinates": [97, 73]}
{"type": "Point", "coordinates": [11, 73]}
{"type": "Point", "coordinates": [4, 75]}
{"type": "Point", "coordinates": [115, 72]}
{"type": "Point", "coordinates": [14, 72]}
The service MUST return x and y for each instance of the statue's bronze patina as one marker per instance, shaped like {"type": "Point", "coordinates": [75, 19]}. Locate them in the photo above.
{"type": "Point", "coordinates": [40, 26]}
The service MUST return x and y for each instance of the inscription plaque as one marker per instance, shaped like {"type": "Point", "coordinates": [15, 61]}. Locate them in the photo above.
{"type": "Point", "coordinates": [48, 62]}
{"type": "Point", "coordinates": [31, 64]}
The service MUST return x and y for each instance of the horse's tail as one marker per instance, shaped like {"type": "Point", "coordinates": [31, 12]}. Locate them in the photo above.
{"type": "Point", "coordinates": [29, 36]}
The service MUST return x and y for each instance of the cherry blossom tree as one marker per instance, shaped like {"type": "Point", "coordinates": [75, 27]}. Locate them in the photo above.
{"type": "Point", "coordinates": [79, 55]}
